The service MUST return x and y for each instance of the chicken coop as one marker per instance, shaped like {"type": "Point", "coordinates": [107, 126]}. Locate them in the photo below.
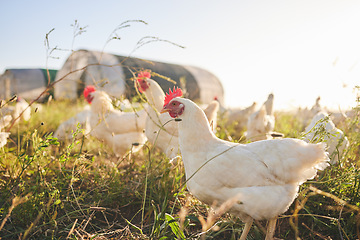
{"type": "Point", "coordinates": [26, 83]}
{"type": "Point", "coordinates": [114, 74]}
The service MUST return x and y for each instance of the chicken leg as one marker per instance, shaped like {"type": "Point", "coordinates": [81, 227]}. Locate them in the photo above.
{"type": "Point", "coordinates": [271, 229]}
{"type": "Point", "coordinates": [246, 229]}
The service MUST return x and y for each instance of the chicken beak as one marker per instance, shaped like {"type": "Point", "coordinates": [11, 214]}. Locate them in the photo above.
{"type": "Point", "coordinates": [164, 110]}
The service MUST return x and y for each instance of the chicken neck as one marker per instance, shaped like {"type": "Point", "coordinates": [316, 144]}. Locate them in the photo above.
{"type": "Point", "coordinates": [155, 95]}
{"type": "Point", "coordinates": [195, 137]}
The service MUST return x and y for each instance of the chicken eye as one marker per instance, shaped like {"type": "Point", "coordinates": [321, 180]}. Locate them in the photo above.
{"type": "Point", "coordinates": [174, 104]}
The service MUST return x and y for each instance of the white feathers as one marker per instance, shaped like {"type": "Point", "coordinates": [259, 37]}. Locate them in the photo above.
{"type": "Point", "coordinates": [3, 138]}
{"type": "Point", "coordinates": [211, 112]}
{"type": "Point", "coordinates": [4, 121]}
{"type": "Point", "coordinates": [238, 117]}
{"type": "Point", "coordinates": [161, 130]}
{"type": "Point", "coordinates": [262, 122]}
{"type": "Point", "coordinates": [67, 129]}
{"type": "Point", "coordinates": [117, 129]}
{"type": "Point", "coordinates": [20, 110]}
{"type": "Point", "coordinates": [322, 129]}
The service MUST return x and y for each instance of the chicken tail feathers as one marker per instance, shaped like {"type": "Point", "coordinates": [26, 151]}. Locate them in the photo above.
{"type": "Point", "coordinates": [318, 161]}
{"type": "Point", "coordinates": [324, 160]}
{"type": "Point", "coordinates": [300, 161]}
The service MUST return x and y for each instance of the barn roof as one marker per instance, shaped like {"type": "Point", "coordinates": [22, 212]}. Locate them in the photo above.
{"type": "Point", "coordinates": [115, 74]}
{"type": "Point", "coordinates": [28, 83]}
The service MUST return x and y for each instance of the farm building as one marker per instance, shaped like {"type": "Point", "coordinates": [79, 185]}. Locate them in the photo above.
{"type": "Point", "coordinates": [27, 83]}
{"type": "Point", "coordinates": [114, 75]}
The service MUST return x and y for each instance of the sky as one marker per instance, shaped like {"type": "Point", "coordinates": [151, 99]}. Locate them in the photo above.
{"type": "Point", "coordinates": [297, 50]}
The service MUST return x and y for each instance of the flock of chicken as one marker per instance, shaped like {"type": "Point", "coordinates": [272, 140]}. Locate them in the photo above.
{"type": "Point", "coordinates": [120, 129]}
{"type": "Point", "coordinates": [259, 180]}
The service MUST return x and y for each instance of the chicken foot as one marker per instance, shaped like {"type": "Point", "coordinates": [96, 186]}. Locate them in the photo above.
{"type": "Point", "coordinates": [246, 229]}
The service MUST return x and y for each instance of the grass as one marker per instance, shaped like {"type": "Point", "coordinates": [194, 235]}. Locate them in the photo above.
{"type": "Point", "coordinates": [80, 190]}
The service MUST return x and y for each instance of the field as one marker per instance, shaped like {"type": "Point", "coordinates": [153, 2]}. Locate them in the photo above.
{"type": "Point", "coordinates": [80, 190]}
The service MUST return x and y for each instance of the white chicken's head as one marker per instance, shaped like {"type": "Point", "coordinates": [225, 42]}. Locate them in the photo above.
{"type": "Point", "coordinates": [172, 103]}
{"type": "Point", "coordinates": [175, 108]}
{"type": "Point", "coordinates": [87, 93]}
{"type": "Point", "coordinates": [142, 80]}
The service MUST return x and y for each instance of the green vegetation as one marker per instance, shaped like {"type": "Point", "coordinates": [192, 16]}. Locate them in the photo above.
{"type": "Point", "coordinates": [80, 190]}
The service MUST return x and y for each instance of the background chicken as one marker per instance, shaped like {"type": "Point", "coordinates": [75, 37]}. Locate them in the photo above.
{"type": "Point", "coordinates": [322, 129]}
{"type": "Point", "coordinates": [260, 178]}
{"type": "Point", "coordinates": [3, 138]}
{"type": "Point", "coordinates": [66, 129]}
{"type": "Point", "coordinates": [211, 112]}
{"type": "Point", "coordinates": [117, 129]}
{"type": "Point", "coordinates": [261, 123]}
{"type": "Point", "coordinates": [238, 117]}
{"type": "Point", "coordinates": [159, 135]}
{"type": "Point", "coordinates": [18, 111]}
{"type": "Point", "coordinates": [22, 107]}
{"type": "Point", "coordinates": [305, 115]}
{"type": "Point", "coordinates": [167, 138]}
{"type": "Point", "coordinates": [4, 121]}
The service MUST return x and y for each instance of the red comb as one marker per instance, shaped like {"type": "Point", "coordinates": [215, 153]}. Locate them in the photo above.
{"type": "Point", "coordinates": [142, 75]}
{"type": "Point", "coordinates": [88, 90]}
{"type": "Point", "coordinates": [172, 94]}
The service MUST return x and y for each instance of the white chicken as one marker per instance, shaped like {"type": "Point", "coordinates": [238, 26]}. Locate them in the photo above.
{"type": "Point", "coordinates": [238, 117]}
{"type": "Point", "coordinates": [340, 117]}
{"type": "Point", "coordinates": [4, 121]}
{"type": "Point", "coordinates": [323, 129]}
{"type": "Point", "coordinates": [261, 123]}
{"type": "Point", "coordinates": [3, 138]}
{"type": "Point", "coordinates": [66, 129]}
{"type": "Point", "coordinates": [161, 135]}
{"type": "Point", "coordinates": [317, 107]}
{"type": "Point", "coordinates": [262, 177]}
{"type": "Point", "coordinates": [160, 130]}
{"type": "Point", "coordinates": [211, 112]}
{"type": "Point", "coordinates": [19, 111]}
{"type": "Point", "coordinates": [117, 129]}
{"type": "Point", "coordinates": [22, 107]}
{"type": "Point", "coordinates": [305, 115]}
